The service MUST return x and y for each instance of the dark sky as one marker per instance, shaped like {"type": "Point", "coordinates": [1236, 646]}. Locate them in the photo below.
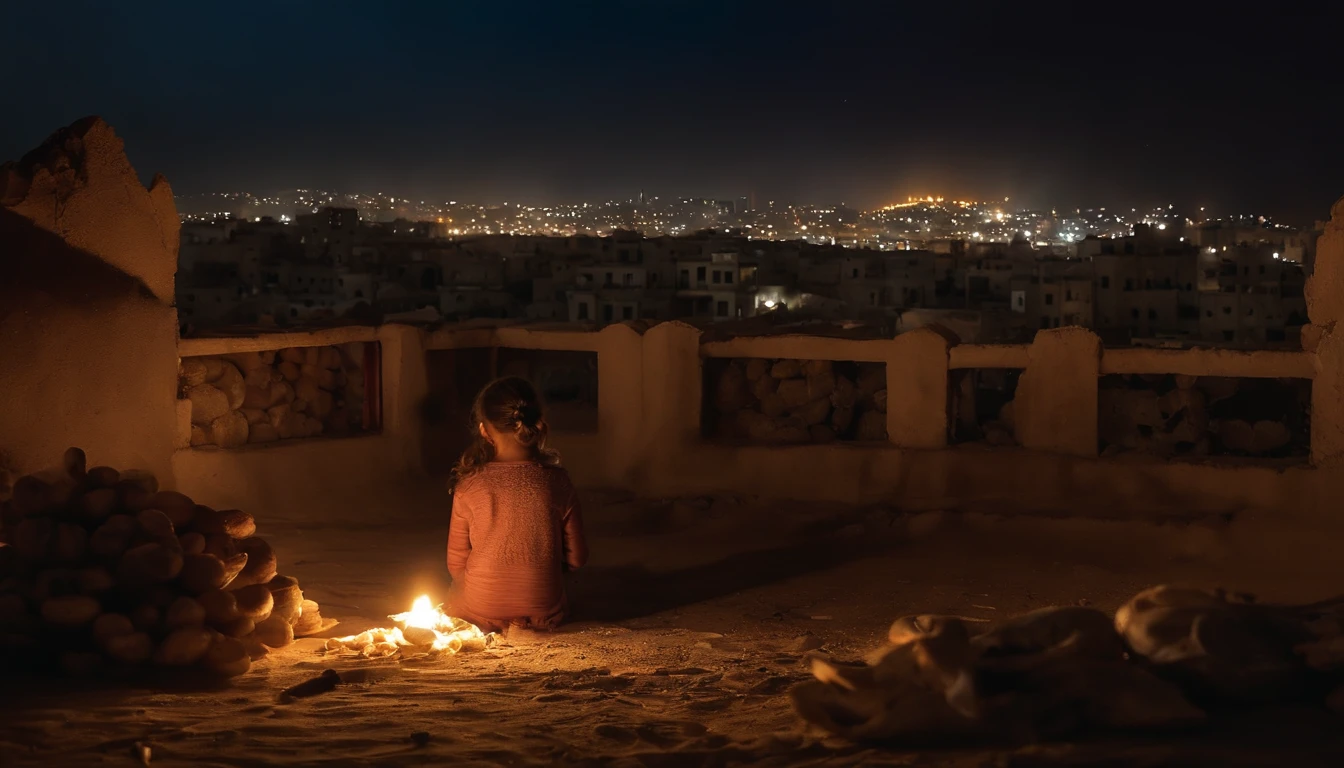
{"type": "Point", "coordinates": [1063, 105]}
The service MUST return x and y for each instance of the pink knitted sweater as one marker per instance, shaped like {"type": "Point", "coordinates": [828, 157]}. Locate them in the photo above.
{"type": "Point", "coordinates": [515, 526]}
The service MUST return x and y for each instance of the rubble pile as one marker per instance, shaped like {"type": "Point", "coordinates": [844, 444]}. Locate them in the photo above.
{"type": "Point", "coordinates": [801, 401]}
{"type": "Point", "coordinates": [261, 397]}
{"type": "Point", "coordinates": [101, 570]}
{"type": "Point", "coordinates": [1171, 657]}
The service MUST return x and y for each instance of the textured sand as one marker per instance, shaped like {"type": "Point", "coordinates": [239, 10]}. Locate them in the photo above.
{"type": "Point", "coordinates": [694, 618]}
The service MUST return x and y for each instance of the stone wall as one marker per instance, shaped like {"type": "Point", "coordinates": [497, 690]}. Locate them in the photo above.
{"type": "Point", "coordinates": [982, 405]}
{"type": "Point", "coordinates": [269, 395]}
{"type": "Point", "coordinates": [789, 401]}
{"type": "Point", "coordinates": [1170, 415]}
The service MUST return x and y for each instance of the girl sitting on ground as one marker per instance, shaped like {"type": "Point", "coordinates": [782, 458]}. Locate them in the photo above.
{"type": "Point", "coordinates": [516, 523]}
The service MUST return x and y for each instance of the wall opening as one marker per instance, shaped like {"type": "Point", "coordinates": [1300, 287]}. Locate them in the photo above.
{"type": "Point", "coordinates": [1169, 415]}
{"type": "Point", "coordinates": [786, 401]}
{"type": "Point", "coordinates": [980, 406]}
{"type": "Point", "coordinates": [565, 379]}
{"type": "Point", "coordinates": [248, 398]}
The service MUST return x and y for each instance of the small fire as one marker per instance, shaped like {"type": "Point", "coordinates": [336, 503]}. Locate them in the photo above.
{"type": "Point", "coordinates": [425, 627]}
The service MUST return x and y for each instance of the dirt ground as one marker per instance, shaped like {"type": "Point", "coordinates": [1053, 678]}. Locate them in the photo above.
{"type": "Point", "coordinates": [691, 622]}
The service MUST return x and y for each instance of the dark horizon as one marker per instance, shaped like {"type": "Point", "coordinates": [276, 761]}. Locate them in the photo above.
{"type": "Point", "coordinates": [861, 103]}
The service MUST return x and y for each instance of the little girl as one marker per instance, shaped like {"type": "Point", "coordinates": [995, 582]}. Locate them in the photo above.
{"type": "Point", "coordinates": [516, 523]}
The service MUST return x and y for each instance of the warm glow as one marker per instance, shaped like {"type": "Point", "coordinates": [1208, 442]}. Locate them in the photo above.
{"type": "Point", "coordinates": [425, 627]}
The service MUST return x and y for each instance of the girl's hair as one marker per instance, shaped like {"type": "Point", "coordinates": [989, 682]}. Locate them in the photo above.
{"type": "Point", "coordinates": [511, 406]}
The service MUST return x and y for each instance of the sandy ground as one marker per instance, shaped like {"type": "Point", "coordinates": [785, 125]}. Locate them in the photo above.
{"type": "Point", "coordinates": [692, 621]}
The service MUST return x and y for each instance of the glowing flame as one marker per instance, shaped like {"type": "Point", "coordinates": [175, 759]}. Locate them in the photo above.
{"type": "Point", "coordinates": [425, 627]}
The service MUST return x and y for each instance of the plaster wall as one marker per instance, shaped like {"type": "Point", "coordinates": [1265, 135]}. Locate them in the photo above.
{"type": "Point", "coordinates": [88, 332]}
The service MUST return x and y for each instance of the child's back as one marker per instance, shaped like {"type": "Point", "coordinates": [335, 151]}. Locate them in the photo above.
{"type": "Point", "coordinates": [515, 526]}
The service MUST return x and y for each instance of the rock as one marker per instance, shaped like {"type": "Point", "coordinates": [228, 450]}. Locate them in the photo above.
{"type": "Point", "coordinates": [70, 542]}
{"type": "Point", "coordinates": [1236, 435]}
{"type": "Point", "coordinates": [247, 361]}
{"type": "Point", "coordinates": [234, 523]}
{"type": "Point", "coordinates": [813, 413]}
{"type": "Point", "coordinates": [70, 611]}
{"type": "Point", "coordinates": [872, 377]}
{"type": "Point", "coordinates": [880, 401]}
{"type": "Point", "coordinates": [820, 385]}
{"type": "Point", "coordinates": [111, 538]}
{"type": "Point", "coordinates": [757, 369]}
{"type": "Point", "coordinates": [201, 572]}
{"type": "Point", "coordinates": [846, 394]}
{"type": "Point", "coordinates": [793, 392]}
{"type": "Point", "coordinates": [220, 606]}
{"type": "Point", "coordinates": [192, 372]}
{"type": "Point", "coordinates": [97, 504]}
{"type": "Point", "coordinates": [110, 625]}
{"type": "Point", "coordinates": [1269, 436]}
{"type": "Point", "coordinates": [262, 433]}
{"type": "Point", "coordinates": [806, 643]}
{"type": "Point", "coordinates": [256, 416]}
{"type": "Point", "coordinates": [198, 436]}
{"type": "Point", "coordinates": [184, 612]}
{"type": "Point", "coordinates": [207, 404]}
{"type": "Point", "coordinates": [155, 526]}
{"type": "Point", "coordinates": [842, 419]}
{"type": "Point", "coordinates": [183, 647]}
{"type": "Point", "coordinates": [130, 649]}
{"type": "Point", "coordinates": [179, 508]}
{"type": "Point", "coordinates": [229, 430]}
{"type": "Point", "coordinates": [274, 632]}
{"type": "Point", "coordinates": [764, 387]}
{"type": "Point", "coordinates": [773, 405]}
{"type": "Point", "coordinates": [307, 389]}
{"type": "Point", "coordinates": [786, 369]}
{"type": "Point", "coordinates": [325, 378]}
{"type": "Point", "coordinates": [227, 657]}
{"type": "Point", "coordinates": [757, 427]}
{"type": "Point", "coordinates": [231, 383]}
{"type": "Point", "coordinates": [289, 370]}
{"type": "Point", "coordinates": [258, 398]}
{"type": "Point", "coordinates": [255, 602]}
{"type": "Point", "coordinates": [872, 427]}
{"type": "Point", "coordinates": [260, 566]}
{"type": "Point", "coordinates": [148, 564]}
{"type": "Point", "coordinates": [240, 627]}
{"type": "Point", "coordinates": [1217, 388]}
{"type": "Point", "coordinates": [817, 368]}
{"type": "Point", "coordinates": [330, 358]}
{"type": "Point", "coordinates": [821, 433]}
{"type": "Point", "coordinates": [102, 477]}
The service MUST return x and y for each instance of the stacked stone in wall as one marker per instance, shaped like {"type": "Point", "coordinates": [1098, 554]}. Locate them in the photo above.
{"type": "Point", "coordinates": [800, 401]}
{"type": "Point", "coordinates": [983, 406]}
{"type": "Point", "coordinates": [262, 397]}
{"type": "Point", "coordinates": [1169, 415]}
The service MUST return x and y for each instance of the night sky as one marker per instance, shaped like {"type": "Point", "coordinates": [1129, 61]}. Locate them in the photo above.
{"type": "Point", "coordinates": [865, 103]}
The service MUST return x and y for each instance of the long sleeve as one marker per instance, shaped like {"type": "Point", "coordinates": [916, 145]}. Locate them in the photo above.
{"type": "Point", "coordinates": [459, 540]}
{"type": "Point", "coordinates": [576, 547]}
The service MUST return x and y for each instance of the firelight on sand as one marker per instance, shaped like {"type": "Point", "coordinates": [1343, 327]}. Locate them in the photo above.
{"type": "Point", "coordinates": [423, 628]}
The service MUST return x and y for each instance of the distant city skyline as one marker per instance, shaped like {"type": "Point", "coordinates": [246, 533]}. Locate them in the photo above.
{"type": "Point", "coordinates": [862, 102]}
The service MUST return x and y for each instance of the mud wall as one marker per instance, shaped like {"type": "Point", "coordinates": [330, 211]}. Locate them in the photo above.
{"type": "Point", "coordinates": [88, 332]}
